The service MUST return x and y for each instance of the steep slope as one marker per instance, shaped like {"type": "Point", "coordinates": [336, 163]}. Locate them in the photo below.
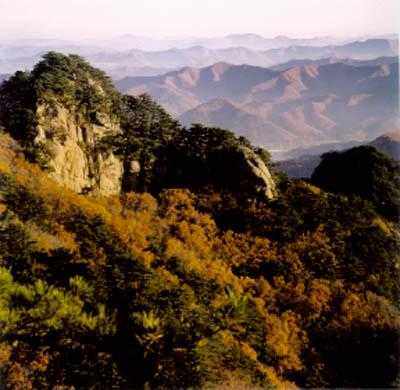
{"type": "Point", "coordinates": [337, 79]}
{"type": "Point", "coordinates": [389, 144]}
{"type": "Point", "coordinates": [327, 103]}
{"type": "Point", "coordinates": [318, 102]}
{"type": "Point", "coordinates": [219, 80]}
{"type": "Point", "coordinates": [182, 90]}
{"type": "Point", "coordinates": [211, 283]}
{"type": "Point", "coordinates": [244, 121]}
{"type": "Point", "coordinates": [82, 283]}
{"type": "Point", "coordinates": [193, 290]}
{"type": "Point", "coordinates": [69, 118]}
{"type": "Point", "coordinates": [60, 112]}
{"type": "Point", "coordinates": [169, 156]}
{"type": "Point", "coordinates": [167, 90]}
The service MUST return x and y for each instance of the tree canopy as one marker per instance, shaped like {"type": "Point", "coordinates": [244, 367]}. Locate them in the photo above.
{"type": "Point", "coordinates": [365, 172]}
{"type": "Point", "coordinates": [188, 281]}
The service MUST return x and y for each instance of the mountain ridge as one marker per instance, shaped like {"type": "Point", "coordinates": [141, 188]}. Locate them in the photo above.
{"type": "Point", "coordinates": [118, 63]}
{"type": "Point", "coordinates": [201, 268]}
{"type": "Point", "coordinates": [316, 102]}
{"type": "Point", "coordinates": [71, 120]}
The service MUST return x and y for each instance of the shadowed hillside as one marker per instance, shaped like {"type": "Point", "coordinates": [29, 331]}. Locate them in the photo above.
{"type": "Point", "coordinates": [204, 268]}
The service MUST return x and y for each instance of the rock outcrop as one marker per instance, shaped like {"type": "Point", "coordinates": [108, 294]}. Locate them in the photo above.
{"type": "Point", "coordinates": [69, 118]}
{"type": "Point", "coordinates": [257, 174]}
{"type": "Point", "coordinates": [61, 112]}
{"type": "Point", "coordinates": [206, 157]}
{"type": "Point", "coordinates": [74, 157]}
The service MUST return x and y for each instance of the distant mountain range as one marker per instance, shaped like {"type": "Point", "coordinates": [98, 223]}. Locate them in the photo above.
{"type": "Point", "coordinates": [200, 56]}
{"type": "Point", "coordinates": [134, 56]}
{"type": "Point", "coordinates": [303, 105]}
{"type": "Point", "coordinates": [332, 60]}
{"type": "Point", "coordinates": [279, 92]}
{"type": "Point", "coordinates": [131, 41]}
{"type": "Point", "coordinates": [303, 162]}
{"type": "Point", "coordinates": [251, 41]}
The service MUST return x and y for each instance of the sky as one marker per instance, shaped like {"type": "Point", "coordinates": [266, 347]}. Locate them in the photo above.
{"type": "Point", "coordinates": [201, 18]}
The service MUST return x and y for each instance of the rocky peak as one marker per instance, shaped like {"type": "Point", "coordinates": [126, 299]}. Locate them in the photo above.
{"type": "Point", "coordinates": [69, 107]}
{"type": "Point", "coordinates": [68, 117]}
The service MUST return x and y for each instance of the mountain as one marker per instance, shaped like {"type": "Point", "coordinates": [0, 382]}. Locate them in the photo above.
{"type": "Point", "coordinates": [301, 167]}
{"type": "Point", "coordinates": [361, 50]}
{"type": "Point", "coordinates": [195, 56]}
{"type": "Point", "coordinates": [258, 42]}
{"type": "Point", "coordinates": [302, 162]}
{"type": "Point", "coordinates": [182, 90]}
{"type": "Point", "coordinates": [60, 112]}
{"type": "Point", "coordinates": [313, 150]}
{"type": "Point", "coordinates": [249, 40]}
{"type": "Point", "coordinates": [72, 121]}
{"type": "Point", "coordinates": [200, 56]}
{"type": "Point", "coordinates": [138, 254]}
{"type": "Point", "coordinates": [117, 62]}
{"type": "Point", "coordinates": [389, 144]}
{"type": "Point", "coordinates": [332, 60]}
{"type": "Point", "coordinates": [245, 122]}
{"type": "Point", "coordinates": [303, 105]}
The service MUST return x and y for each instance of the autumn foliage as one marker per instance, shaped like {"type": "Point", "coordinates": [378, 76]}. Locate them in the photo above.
{"type": "Point", "coordinates": [197, 284]}
{"type": "Point", "coordinates": [135, 291]}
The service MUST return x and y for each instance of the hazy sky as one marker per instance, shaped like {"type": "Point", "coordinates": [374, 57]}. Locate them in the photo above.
{"type": "Point", "coordinates": [158, 18]}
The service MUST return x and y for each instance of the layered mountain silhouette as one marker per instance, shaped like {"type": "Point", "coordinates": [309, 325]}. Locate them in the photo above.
{"type": "Point", "coordinates": [332, 60]}
{"type": "Point", "coordinates": [252, 41]}
{"type": "Point", "coordinates": [201, 56]}
{"type": "Point", "coordinates": [309, 104]}
{"type": "Point", "coordinates": [138, 56]}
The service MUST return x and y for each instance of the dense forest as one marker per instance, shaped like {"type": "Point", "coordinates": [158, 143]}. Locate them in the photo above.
{"type": "Point", "coordinates": [188, 278]}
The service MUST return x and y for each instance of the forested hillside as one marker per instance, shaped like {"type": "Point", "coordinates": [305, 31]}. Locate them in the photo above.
{"type": "Point", "coordinates": [203, 268]}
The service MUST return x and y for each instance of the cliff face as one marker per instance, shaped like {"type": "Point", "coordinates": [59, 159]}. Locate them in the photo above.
{"type": "Point", "coordinates": [69, 118]}
{"type": "Point", "coordinates": [60, 112]}
{"type": "Point", "coordinates": [258, 175]}
{"type": "Point", "coordinates": [74, 157]}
